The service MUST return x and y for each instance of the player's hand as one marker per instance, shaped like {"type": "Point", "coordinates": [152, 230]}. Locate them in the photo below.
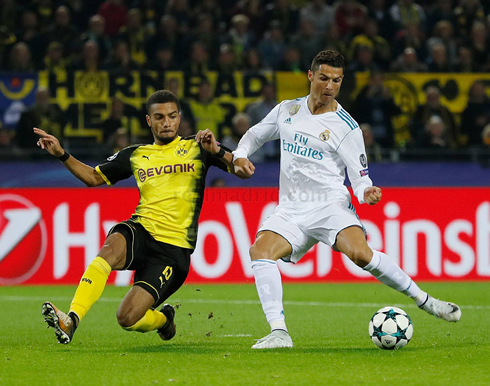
{"type": "Point", "coordinates": [244, 168]}
{"type": "Point", "coordinates": [372, 195]}
{"type": "Point", "coordinates": [49, 143]}
{"type": "Point", "coordinates": [208, 141]}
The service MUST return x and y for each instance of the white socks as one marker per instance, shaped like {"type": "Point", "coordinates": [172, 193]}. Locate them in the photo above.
{"type": "Point", "coordinates": [269, 287]}
{"type": "Point", "coordinates": [383, 268]}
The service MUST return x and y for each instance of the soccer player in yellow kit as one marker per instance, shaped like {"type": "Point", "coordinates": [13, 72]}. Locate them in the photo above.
{"type": "Point", "coordinates": [158, 239]}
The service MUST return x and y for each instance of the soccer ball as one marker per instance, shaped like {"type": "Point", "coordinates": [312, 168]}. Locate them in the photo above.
{"type": "Point", "coordinates": [390, 328]}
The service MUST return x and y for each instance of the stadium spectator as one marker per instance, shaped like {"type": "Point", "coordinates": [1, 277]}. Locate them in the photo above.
{"type": "Point", "coordinates": [208, 7]}
{"type": "Point", "coordinates": [226, 60]}
{"type": "Point", "coordinates": [41, 113]}
{"type": "Point", "coordinates": [119, 140]}
{"type": "Point", "coordinates": [407, 12]}
{"type": "Point", "coordinates": [476, 114]}
{"type": "Point", "coordinates": [435, 134]}
{"type": "Point", "coordinates": [89, 61]}
{"type": "Point", "coordinates": [151, 12]}
{"type": "Point", "coordinates": [484, 151]}
{"type": "Point", "coordinates": [7, 41]}
{"type": "Point", "coordinates": [164, 59]}
{"type": "Point", "coordinates": [21, 58]}
{"type": "Point", "coordinates": [116, 120]}
{"type": "Point", "coordinates": [408, 62]}
{"type": "Point", "coordinates": [205, 34]}
{"type": "Point", "coordinates": [30, 33]}
{"type": "Point", "coordinates": [44, 10]}
{"type": "Point", "coordinates": [283, 11]}
{"type": "Point", "coordinates": [272, 47]}
{"type": "Point", "coordinates": [319, 14]}
{"type": "Point", "coordinates": [167, 34]}
{"type": "Point", "coordinates": [95, 32]}
{"type": "Point", "coordinates": [239, 37]}
{"type": "Point", "coordinates": [308, 41]}
{"type": "Point", "coordinates": [254, 11]}
{"type": "Point", "coordinates": [54, 60]}
{"type": "Point", "coordinates": [375, 106]}
{"type": "Point", "coordinates": [442, 10]}
{"type": "Point", "coordinates": [374, 152]}
{"type": "Point", "coordinates": [180, 11]}
{"type": "Point", "coordinates": [258, 110]}
{"type": "Point", "coordinates": [465, 62]}
{"type": "Point", "coordinates": [5, 141]}
{"type": "Point", "coordinates": [63, 31]}
{"type": "Point", "coordinates": [350, 16]}
{"type": "Point", "coordinates": [173, 85]}
{"type": "Point", "coordinates": [185, 128]}
{"type": "Point", "coordinates": [466, 14]}
{"type": "Point", "coordinates": [200, 60]}
{"type": "Point", "coordinates": [115, 15]}
{"type": "Point", "coordinates": [252, 61]}
{"type": "Point", "coordinates": [433, 107]}
{"type": "Point", "coordinates": [411, 36]}
{"type": "Point", "coordinates": [120, 60]}
{"type": "Point", "coordinates": [444, 34]}
{"type": "Point", "coordinates": [438, 60]}
{"type": "Point", "coordinates": [333, 41]}
{"type": "Point", "coordinates": [479, 42]}
{"type": "Point", "coordinates": [378, 11]}
{"type": "Point", "coordinates": [135, 36]}
{"type": "Point", "coordinates": [292, 61]}
{"type": "Point", "coordinates": [363, 61]}
{"type": "Point", "coordinates": [207, 112]}
{"type": "Point", "coordinates": [159, 238]}
{"type": "Point", "coordinates": [371, 38]}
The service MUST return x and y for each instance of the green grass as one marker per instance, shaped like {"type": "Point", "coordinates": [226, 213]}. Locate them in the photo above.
{"type": "Point", "coordinates": [217, 324]}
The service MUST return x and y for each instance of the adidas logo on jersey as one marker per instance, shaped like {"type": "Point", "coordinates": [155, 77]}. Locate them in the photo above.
{"type": "Point", "coordinates": [288, 120]}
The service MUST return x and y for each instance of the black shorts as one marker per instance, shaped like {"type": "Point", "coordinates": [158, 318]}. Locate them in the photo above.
{"type": "Point", "coordinates": [160, 268]}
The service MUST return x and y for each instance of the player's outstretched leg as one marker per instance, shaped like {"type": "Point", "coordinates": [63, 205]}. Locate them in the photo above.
{"type": "Point", "coordinates": [441, 309]}
{"type": "Point", "coordinates": [64, 325]}
{"type": "Point", "coordinates": [168, 330]}
{"type": "Point", "coordinates": [383, 268]}
{"type": "Point", "coordinates": [276, 339]}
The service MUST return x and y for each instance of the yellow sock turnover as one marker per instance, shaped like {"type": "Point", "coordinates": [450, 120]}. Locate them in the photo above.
{"type": "Point", "coordinates": [91, 286]}
{"type": "Point", "coordinates": [152, 320]}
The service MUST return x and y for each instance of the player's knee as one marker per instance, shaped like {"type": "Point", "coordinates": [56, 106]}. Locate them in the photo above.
{"type": "Point", "coordinates": [257, 253]}
{"type": "Point", "coordinates": [361, 257]}
{"type": "Point", "coordinates": [126, 319]}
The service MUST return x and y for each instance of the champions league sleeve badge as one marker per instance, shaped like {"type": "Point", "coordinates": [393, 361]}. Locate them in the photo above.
{"type": "Point", "coordinates": [294, 110]}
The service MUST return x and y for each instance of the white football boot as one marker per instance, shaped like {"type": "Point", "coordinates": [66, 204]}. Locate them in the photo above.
{"type": "Point", "coordinates": [441, 309]}
{"type": "Point", "coordinates": [276, 339]}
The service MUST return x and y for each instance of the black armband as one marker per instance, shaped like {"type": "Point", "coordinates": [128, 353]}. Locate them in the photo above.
{"type": "Point", "coordinates": [64, 157]}
{"type": "Point", "coordinates": [221, 153]}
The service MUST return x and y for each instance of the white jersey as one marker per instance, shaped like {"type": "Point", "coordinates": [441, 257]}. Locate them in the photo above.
{"type": "Point", "coordinates": [315, 152]}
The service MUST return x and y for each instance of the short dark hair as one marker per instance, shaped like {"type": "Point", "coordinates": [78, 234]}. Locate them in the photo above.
{"type": "Point", "coordinates": [162, 96]}
{"type": "Point", "coordinates": [329, 57]}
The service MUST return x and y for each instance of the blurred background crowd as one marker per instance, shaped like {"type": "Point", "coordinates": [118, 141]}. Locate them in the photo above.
{"type": "Point", "coordinates": [375, 36]}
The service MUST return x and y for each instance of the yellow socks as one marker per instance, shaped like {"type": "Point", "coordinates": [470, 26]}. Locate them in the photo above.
{"type": "Point", "coordinates": [91, 286]}
{"type": "Point", "coordinates": [152, 320]}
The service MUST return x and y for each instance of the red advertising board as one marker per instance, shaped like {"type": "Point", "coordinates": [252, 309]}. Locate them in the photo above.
{"type": "Point", "coordinates": [49, 236]}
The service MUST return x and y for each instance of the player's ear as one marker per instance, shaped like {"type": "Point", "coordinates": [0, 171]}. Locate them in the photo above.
{"type": "Point", "coordinates": [310, 75]}
{"type": "Point", "coordinates": [148, 120]}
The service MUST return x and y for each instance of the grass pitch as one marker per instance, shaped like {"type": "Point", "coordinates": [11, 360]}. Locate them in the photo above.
{"type": "Point", "coordinates": [217, 324]}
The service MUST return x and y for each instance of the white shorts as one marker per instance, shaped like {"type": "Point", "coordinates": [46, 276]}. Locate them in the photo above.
{"type": "Point", "coordinates": [304, 228]}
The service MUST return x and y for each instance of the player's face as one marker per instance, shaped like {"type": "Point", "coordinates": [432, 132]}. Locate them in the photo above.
{"type": "Point", "coordinates": [164, 120]}
{"type": "Point", "coordinates": [325, 83]}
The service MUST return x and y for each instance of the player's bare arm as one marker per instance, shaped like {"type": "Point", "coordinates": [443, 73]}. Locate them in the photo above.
{"type": "Point", "coordinates": [372, 195]}
{"type": "Point", "coordinates": [208, 142]}
{"type": "Point", "coordinates": [83, 172]}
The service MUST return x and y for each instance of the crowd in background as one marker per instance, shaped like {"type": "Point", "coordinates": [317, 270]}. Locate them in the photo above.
{"type": "Point", "coordinates": [377, 36]}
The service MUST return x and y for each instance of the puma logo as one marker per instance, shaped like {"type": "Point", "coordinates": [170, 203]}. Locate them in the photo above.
{"type": "Point", "coordinates": [147, 157]}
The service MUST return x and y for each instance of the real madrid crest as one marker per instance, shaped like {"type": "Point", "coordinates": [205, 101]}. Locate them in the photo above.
{"type": "Point", "coordinates": [325, 136]}
{"type": "Point", "coordinates": [181, 151]}
{"type": "Point", "coordinates": [294, 110]}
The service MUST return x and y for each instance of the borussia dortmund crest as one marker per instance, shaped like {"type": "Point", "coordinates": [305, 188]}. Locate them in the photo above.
{"type": "Point", "coordinates": [181, 151]}
{"type": "Point", "coordinates": [325, 136]}
{"type": "Point", "coordinates": [294, 110]}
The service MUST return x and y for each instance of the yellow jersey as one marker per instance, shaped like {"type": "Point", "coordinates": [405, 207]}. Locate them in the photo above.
{"type": "Point", "coordinates": [171, 181]}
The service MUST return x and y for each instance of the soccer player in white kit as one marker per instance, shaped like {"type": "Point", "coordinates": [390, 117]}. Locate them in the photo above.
{"type": "Point", "coordinates": [319, 140]}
